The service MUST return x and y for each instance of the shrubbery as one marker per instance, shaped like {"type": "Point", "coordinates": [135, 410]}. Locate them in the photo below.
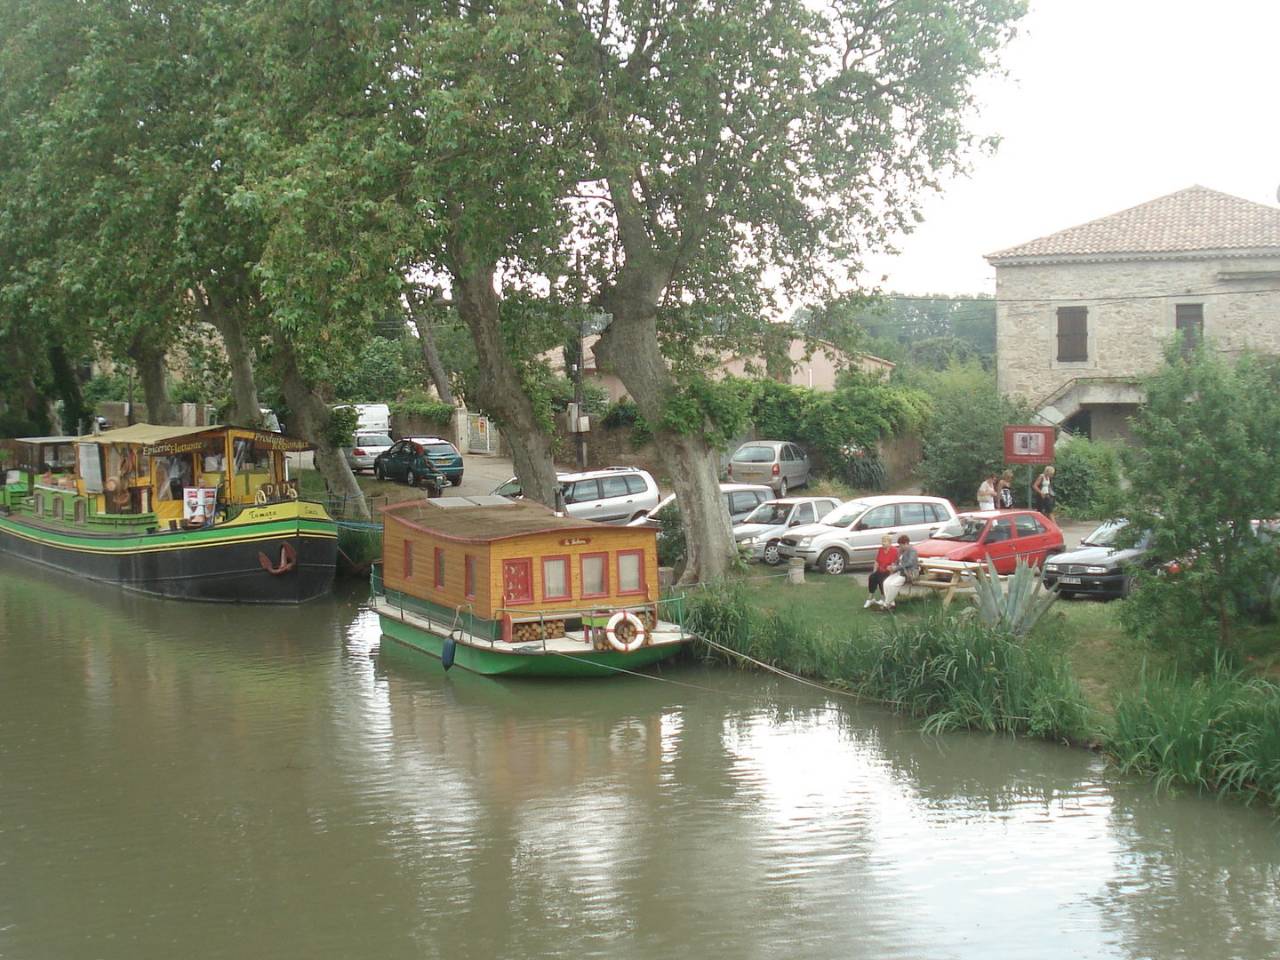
{"type": "Point", "coordinates": [1087, 476]}
{"type": "Point", "coordinates": [424, 407]}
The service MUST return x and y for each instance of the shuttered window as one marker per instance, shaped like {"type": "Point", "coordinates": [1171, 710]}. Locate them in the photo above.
{"type": "Point", "coordinates": [1073, 334]}
{"type": "Point", "coordinates": [1189, 319]}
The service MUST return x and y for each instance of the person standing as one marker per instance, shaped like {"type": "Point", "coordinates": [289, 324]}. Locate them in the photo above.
{"type": "Point", "coordinates": [1004, 491]}
{"type": "Point", "coordinates": [906, 569]}
{"type": "Point", "coordinates": [987, 493]}
{"type": "Point", "coordinates": [886, 557]}
{"type": "Point", "coordinates": [1042, 490]}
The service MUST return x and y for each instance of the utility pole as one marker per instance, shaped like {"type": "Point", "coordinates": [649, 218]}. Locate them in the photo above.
{"type": "Point", "coordinates": [579, 438]}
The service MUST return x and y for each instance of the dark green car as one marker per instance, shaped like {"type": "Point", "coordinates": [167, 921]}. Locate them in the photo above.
{"type": "Point", "coordinates": [410, 461]}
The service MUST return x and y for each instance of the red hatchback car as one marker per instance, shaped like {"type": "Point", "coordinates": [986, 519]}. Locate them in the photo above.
{"type": "Point", "coordinates": [1002, 535]}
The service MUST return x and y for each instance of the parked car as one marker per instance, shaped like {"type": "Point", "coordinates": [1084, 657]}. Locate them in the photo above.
{"type": "Point", "coordinates": [1098, 567]}
{"type": "Point", "coordinates": [1003, 535]}
{"type": "Point", "coordinates": [371, 417]}
{"type": "Point", "coordinates": [779, 465]}
{"type": "Point", "coordinates": [612, 495]}
{"type": "Point", "coordinates": [739, 499]}
{"type": "Point", "coordinates": [366, 450]}
{"type": "Point", "coordinates": [444, 456]}
{"type": "Point", "coordinates": [850, 534]}
{"type": "Point", "coordinates": [761, 530]}
{"type": "Point", "coordinates": [408, 460]}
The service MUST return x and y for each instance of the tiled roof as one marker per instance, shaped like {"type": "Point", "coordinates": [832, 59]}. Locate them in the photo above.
{"type": "Point", "coordinates": [1190, 220]}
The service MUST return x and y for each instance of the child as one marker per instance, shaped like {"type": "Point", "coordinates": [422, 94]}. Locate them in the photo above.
{"type": "Point", "coordinates": [886, 557]}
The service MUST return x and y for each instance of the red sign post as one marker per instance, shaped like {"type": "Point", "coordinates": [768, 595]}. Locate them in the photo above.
{"type": "Point", "coordinates": [1028, 444]}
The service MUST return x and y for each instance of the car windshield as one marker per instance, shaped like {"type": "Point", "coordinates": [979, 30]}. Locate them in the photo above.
{"type": "Point", "coordinates": [754, 455]}
{"type": "Point", "coordinates": [372, 440]}
{"type": "Point", "coordinates": [1105, 535]}
{"type": "Point", "coordinates": [844, 516]}
{"type": "Point", "coordinates": [770, 512]}
{"type": "Point", "coordinates": [509, 489]}
{"type": "Point", "coordinates": [966, 529]}
{"type": "Point", "coordinates": [440, 449]}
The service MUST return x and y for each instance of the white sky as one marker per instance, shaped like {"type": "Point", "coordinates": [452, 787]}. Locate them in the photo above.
{"type": "Point", "coordinates": [1108, 104]}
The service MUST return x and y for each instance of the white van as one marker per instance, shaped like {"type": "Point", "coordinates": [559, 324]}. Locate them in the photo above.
{"type": "Point", "coordinates": [371, 417]}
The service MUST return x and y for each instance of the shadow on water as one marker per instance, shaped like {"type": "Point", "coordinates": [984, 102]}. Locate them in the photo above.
{"type": "Point", "coordinates": [225, 782]}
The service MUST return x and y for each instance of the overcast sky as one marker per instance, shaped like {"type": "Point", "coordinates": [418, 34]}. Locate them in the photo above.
{"type": "Point", "coordinates": [1108, 104]}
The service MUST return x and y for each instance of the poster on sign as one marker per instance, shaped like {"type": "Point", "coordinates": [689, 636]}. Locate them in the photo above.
{"type": "Point", "coordinates": [198, 504]}
{"type": "Point", "coordinates": [1028, 444]}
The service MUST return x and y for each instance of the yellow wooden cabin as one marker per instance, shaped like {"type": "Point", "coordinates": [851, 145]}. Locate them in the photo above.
{"type": "Point", "coordinates": [516, 565]}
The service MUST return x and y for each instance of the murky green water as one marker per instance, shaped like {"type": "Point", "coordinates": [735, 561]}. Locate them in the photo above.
{"type": "Point", "coordinates": [203, 782]}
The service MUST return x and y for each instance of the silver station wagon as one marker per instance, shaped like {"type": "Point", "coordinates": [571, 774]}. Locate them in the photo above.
{"type": "Point", "coordinates": [779, 465]}
{"type": "Point", "coordinates": [849, 536]}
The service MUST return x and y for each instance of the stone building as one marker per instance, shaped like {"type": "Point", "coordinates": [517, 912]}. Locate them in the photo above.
{"type": "Point", "coordinates": [1083, 314]}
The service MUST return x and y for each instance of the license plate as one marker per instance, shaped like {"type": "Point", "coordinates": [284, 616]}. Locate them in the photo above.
{"type": "Point", "coordinates": [1068, 579]}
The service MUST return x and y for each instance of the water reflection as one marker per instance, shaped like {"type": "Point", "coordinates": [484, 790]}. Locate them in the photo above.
{"type": "Point", "coordinates": [220, 782]}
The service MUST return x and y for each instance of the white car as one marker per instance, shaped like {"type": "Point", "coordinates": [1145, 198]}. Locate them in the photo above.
{"type": "Point", "coordinates": [366, 449]}
{"type": "Point", "coordinates": [611, 495]}
{"type": "Point", "coordinates": [760, 531]}
{"type": "Point", "coordinates": [739, 499]}
{"type": "Point", "coordinates": [850, 535]}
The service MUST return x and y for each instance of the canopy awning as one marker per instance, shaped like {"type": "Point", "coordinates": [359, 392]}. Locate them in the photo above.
{"type": "Point", "coordinates": [162, 440]}
{"type": "Point", "coordinates": [41, 441]}
{"type": "Point", "coordinates": [144, 433]}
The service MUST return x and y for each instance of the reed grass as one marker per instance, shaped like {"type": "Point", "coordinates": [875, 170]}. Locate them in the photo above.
{"type": "Point", "coordinates": [1218, 732]}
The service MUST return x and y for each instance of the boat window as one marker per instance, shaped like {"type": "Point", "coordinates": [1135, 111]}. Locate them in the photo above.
{"type": "Point", "coordinates": [595, 575]}
{"type": "Point", "coordinates": [91, 466]}
{"type": "Point", "coordinates": [630, 571]}
{"type": "Point", "coordinates": [172, 474]}
{"type": "Point", "coordinates": [555, 578]}
{"type": "Point", "coordinates": [251, 458]}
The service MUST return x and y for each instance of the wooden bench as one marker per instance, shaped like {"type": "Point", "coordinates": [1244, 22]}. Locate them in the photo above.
{"type": "Point", "coordinates": [949, 576]}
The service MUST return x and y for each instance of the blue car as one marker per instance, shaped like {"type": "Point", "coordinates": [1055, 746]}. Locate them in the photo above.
{"type": "Point", "coordinates": [444, 457]}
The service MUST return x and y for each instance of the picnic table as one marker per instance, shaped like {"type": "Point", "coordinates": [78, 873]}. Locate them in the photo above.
{"type": "Point", "coordinates": [949, 576]}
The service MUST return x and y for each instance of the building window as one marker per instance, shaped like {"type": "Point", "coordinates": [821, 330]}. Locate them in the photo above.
{"type": "Point", "coordinates": [1189, 320]}
{"type": "Point", "coordinates": [630, 571]}
{"type": "Point", "coordinates": [408, 559]}
{"type": "Point", "coordinates": [439, 565]}
{"type": "Point", "coordinates": [469, 577]}
{"type": "Point", "coordinates": [1073, 334]}
{"type": "Point", "coordinates": [555, 578]}
{"type": "Point", "coordinates": [517, 581]}
{"type": "Point", "coordinates": [595, 575]}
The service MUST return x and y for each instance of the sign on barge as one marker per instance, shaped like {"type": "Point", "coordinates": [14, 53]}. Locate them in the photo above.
{"type": "Point", "coordinates": [511, 588]}
{"type": "Point", "coordinates": [188, 513]}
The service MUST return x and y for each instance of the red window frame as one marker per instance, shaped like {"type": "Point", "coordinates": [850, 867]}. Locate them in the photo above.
{"type": "Point", "coordinates": [568, 577]}
{"type": "Point", "coordinates": [439, 568]}
{"type": "Point", "coordinates": [469, 577]}
{"type": "Point", "coordinates": [527, 562]}
{"type": "Point", "coordinates": [643, 588]}
{"type": "Point", "coordinates": [407, 563]}
{"type": "Point", "coordinates": [604, 574]}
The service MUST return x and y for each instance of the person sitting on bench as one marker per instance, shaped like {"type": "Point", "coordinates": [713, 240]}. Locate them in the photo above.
{"type": "Point", "coordinates": [904, 571]}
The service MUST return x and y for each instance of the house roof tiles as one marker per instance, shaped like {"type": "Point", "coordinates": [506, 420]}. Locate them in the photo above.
{"type": "Point", "coordinates": [1188, 221]}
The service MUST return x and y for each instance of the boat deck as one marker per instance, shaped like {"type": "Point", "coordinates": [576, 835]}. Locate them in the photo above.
{"type": "Point", "coordinates": [573, 642]}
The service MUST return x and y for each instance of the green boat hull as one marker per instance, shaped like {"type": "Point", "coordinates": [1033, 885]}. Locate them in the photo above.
{"type": "Point", "coordinates": [495, 662]}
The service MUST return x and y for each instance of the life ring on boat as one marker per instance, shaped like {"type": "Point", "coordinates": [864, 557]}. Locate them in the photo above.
{"type": "Point", "coordinates": [621, 644]}
{"type": "Point", "coordinates": [288, 560]}
{"type": "Point", "coordinates": [260, 497]}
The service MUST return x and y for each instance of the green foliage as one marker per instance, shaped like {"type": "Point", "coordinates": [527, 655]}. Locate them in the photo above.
{"type": "Point", "coordinates": [1086, 482]}
{"type": "Point", "coordinates": [1205, 466]}
{"type": "Point", "coordinates": [377, 373]}
{"type": "Point", "coordinates": [963, 440]}
{"type": "Point", "coordinates": [422, 406]}
{"type": "Point", "coordinates": [1017, 608]}
{"type": "Point", "coordinates": [342, 426]}
{"type": "Point", "coordinates": [1217, 732]}
{"type": "Point", "coordinates": [863, 471]}
{"type": "Point", "coordinates": [672, 546]}
{"type": "Point", "coordinates": [105, 386]}
{"type": "Point", "coordinates": [954, 672]}
{"type": "Point", "coordinates": [622, 413]}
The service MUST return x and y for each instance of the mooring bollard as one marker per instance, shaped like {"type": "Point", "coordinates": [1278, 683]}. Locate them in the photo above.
{"type": "Point", "coordinates": [795, 570]}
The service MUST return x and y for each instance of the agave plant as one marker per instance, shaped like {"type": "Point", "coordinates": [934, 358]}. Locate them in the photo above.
{"type": "Point", "coordinates": [1016, 607]}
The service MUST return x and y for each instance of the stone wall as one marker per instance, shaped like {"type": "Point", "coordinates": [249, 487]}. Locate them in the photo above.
{"type": "Point", "coordinates": [1126, 336]}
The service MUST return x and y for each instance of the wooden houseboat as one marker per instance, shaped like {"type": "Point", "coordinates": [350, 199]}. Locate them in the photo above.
{"type": "Point", "coordinates": [192, 513]}
{"type": "Point", "coordinates": [510, 588]}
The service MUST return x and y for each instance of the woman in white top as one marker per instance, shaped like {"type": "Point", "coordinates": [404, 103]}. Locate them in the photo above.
{"type": "Point", "coordinates": [1042, 488]}
{"type": "Point", "coordinates": [987, 494]}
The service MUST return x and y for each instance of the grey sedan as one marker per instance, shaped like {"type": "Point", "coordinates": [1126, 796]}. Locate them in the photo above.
{"type": "Point", "coordinates": [759, 533]}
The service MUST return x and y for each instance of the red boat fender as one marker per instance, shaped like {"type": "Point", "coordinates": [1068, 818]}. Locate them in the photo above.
{"type": "Point", "coordinates": [288, 560]}
{"type": "Point", "coordinates": [637, 636]}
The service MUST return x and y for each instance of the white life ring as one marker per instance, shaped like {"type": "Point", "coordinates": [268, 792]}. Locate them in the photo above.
{"type": "Point", "coordinates": [260, 497]}
{"type": "Point", "coordinates": [611, 632]}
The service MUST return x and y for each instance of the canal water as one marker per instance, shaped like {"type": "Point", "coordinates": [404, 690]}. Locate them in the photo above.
{"type": "Point", "coordinates": [192, 781]}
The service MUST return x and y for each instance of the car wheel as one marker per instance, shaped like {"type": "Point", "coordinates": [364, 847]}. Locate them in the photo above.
{"type": "Point", "coordinates": [1126, 587]}
{"type": "Point", "coordinates": [379, 472]}
{"type": "Point", "coordinates": [771, 555]}
{"type": "Point", "coordinates": [457, 481]}
{"type": "Point", "coordinates": [833, 561]}
{"type": "Point", "coordinates": [411, 478]}
{"type": "Point", "coordinates": [782, 488]}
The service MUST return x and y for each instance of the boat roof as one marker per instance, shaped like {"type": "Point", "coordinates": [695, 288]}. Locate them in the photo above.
{"type": "Point", "coordinates": [45, 440]}
{"type": "Point", "coordinates": [486, 519]}
{"type": "Point", "coordinates": [150, 434]}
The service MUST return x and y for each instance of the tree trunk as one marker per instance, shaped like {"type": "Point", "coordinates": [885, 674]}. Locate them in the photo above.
{"type": "Point", "coordinates": [629, 348]}
{"type": "Point", "coordinates": [149, 361]}
{"type": "Point", "coordinates": [309, 418]}
{"type": "Point", "coordinates": [430, 354]}
{"type": "Point", "coordinates": [499, 392]}
{"type": "Point", "coordinates": [246, 411]}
